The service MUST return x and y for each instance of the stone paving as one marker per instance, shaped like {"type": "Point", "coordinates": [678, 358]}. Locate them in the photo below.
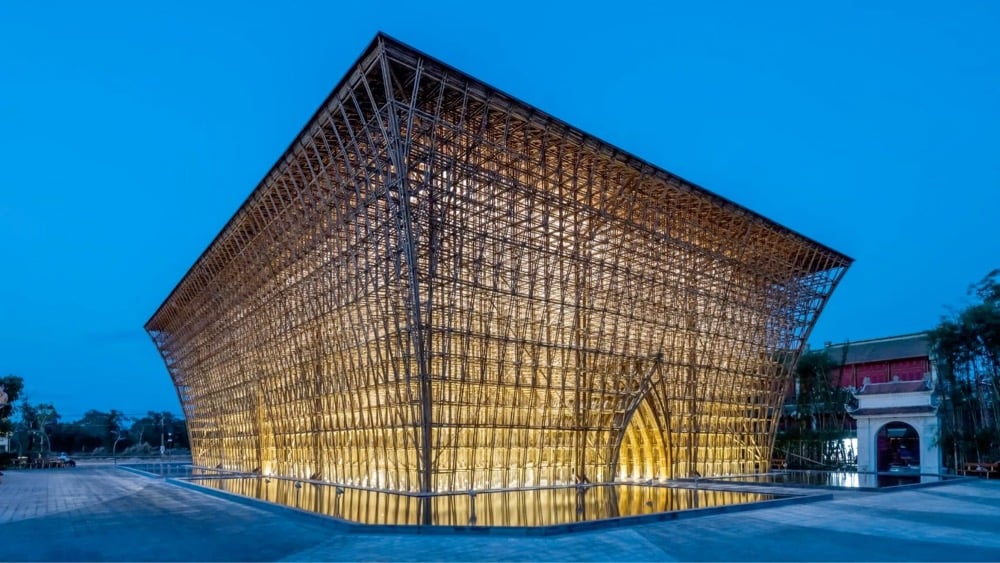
{"type": "Point", "coordinates": [105, 514]}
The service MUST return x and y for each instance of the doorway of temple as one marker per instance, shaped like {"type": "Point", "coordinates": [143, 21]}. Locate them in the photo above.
{"type": "Point", "coordinates": [898, 448]}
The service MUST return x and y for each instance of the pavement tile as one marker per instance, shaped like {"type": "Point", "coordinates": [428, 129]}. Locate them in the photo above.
{"type": "Point", "coordinates": [100, 513]}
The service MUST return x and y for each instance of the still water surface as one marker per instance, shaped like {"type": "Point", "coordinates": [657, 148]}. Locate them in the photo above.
{"type": "Point", "coordinates": [176, 470]}
{"type": "Point", "coordinates": [528, 508]}
{"type": "Point", "coordinates": [845, 479]}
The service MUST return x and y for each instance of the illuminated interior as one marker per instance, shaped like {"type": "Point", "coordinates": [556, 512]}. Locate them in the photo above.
{"type": "Point", "coordinates": [441, 288]}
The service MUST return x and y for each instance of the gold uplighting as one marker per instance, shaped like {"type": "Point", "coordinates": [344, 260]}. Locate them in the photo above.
{"type": "Point", "coordinates": [440, 288]}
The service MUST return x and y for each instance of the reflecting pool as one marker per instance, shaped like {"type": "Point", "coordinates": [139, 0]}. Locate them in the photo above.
{"type": "Point", "coordinates": [520, 508]}
{"type": "Point", "coordinates": [844, 479]}
{"type": "Point", "coordinates": [175, 470]}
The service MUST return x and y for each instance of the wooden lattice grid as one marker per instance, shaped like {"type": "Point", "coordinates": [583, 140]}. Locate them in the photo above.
{"type": "Point", "coordinates": [439, 288]}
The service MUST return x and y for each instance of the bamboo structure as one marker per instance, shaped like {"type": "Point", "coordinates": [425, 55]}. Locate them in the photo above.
{"type": "Point", "coordinates": [439, 287]}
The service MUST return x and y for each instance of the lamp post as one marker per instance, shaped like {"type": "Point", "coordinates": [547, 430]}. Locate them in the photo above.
{"type": "Point", "coordinates": [38, 459]}
{"type": "Point", "coordinates": [114, 447]}
{"type": "Point", "coordinates": [44, 447]}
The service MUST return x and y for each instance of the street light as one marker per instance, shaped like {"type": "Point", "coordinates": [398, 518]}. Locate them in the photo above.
{"type": "Point", "coordinates": [43, 442]}
{"type": "Point", "coordinates": [43, 447]}
{"type": "Point", "coordinates": [114, 447]}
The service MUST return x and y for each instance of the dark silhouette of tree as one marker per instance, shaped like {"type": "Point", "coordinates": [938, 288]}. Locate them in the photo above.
{"type": "Point", "coordinates": [966, 349]}
{"type": "Point", "coordinates": [94, 430]}
{"type": "Point", "coordinates": [11, 387]}
{"type": "Point", "coordinates": [160, 426]}
{"type": "Point", "coordinates": [34, 431]}
{"type": "Point", "coordinates": [819, 418]}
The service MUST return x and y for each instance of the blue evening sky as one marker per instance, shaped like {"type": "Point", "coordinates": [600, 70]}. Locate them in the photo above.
{"type": "Point", "coordinates": [130, 132]}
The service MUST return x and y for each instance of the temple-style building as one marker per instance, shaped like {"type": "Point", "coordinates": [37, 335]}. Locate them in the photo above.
{"type": "Point", "coordinates": [893, 379]}
{"type": "Point", "coordinates": [439, 287]}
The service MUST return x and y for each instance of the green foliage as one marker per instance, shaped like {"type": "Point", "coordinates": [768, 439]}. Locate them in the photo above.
{"type": "Point", "coordinates": [33, 433]}
{"type": "Point", "coordinates": [157, 426]}
{"type": "Point", "coordinates": [819, 399]}
{"type": "Point", "coordinates": [966, 348]}
{"type": "Point", "coordinates": [95, 429]}
{"type": "Point", "coordinates": [39, 429]}
{"type": "Point", "coordinates": [142, 449]}
{"type": "Point", "coordinates": [12, 386]}
{"type": "Point", "coordinates": [814, 437]}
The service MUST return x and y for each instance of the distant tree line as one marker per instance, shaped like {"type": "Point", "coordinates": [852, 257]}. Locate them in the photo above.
{"type": "Point", "coordinates": [38, 428]}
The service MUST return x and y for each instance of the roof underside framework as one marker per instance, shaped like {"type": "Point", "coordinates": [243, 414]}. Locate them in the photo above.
{"type": "Point", "coordinates": [441, 288]}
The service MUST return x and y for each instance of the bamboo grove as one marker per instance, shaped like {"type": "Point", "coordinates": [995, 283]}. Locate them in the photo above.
{"type": "Point", "coordinates": [966, 348]}
{"type": "Point", "coordinates": [441, 288]}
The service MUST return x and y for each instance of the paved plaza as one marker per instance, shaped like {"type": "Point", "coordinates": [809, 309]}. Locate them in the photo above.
{"type": "Point", "coordinates": [101, 513]}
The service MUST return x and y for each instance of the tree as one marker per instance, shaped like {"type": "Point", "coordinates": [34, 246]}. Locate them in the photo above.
{"type": "Point", "coordinates": [11, 387]}
{"type": "Point", "coordinates": [157, 426]}
{"type": "Point", "coordinates": [821, 419]}
{"type": "Point", "coordinates": [101, 428]}
{"type": "Point", "coordinates": [966, 348]}
{"type": "Point", "coordinates": [37, 424]}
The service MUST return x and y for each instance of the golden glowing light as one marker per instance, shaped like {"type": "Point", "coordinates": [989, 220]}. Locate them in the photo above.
{"type": "Point", "coordinates": [440, 288]}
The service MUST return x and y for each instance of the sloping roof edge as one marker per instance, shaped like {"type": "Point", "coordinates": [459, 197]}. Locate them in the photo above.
{"type": "Point", "coordinates": [900, 347]}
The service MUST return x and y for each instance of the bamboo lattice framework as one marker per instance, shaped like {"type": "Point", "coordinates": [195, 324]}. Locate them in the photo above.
{"type": "Point", "coordinates": [439, 287]}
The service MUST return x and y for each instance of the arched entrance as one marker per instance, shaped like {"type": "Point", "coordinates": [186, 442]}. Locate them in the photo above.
{"type": "Point", "coordinates": [897, 447]}
{"type": "Point", "coordinates": [643, 453]}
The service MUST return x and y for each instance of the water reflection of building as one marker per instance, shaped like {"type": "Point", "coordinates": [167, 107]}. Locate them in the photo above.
{"type": "Point", "coordinates": [440, 288]}
{"type": "Point", "coordinates": [528, 508]}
